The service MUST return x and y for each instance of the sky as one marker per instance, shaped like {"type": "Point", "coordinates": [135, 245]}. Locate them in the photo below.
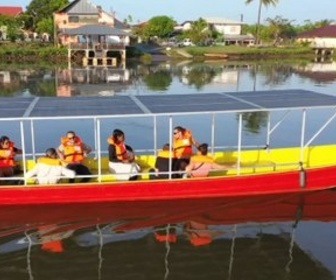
{"type": "Point", "coordinates": [296, 11]}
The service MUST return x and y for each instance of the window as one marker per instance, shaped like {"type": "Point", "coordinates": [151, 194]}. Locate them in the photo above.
{"type": "Point", "coordinates": [73, 19]}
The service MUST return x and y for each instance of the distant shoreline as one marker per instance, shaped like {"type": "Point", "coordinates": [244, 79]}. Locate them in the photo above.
{"type": "Point", "coordinates": [46, 53]}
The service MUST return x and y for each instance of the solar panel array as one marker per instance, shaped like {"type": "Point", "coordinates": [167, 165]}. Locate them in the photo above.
{"type": "Point", "coordinates": [14, 107]}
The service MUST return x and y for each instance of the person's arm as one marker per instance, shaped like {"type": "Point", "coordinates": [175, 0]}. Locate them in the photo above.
{"type": "Point", "coordinates": [194, 142]}
{"type": "Point", "coordinates": [86, 149]}
{"type": "Point", "coordinates": [59, 152]}
{"type": "Point", "coordinates": [218, 166]}
{"type": "Point", "coordinates": [189, 168]}
{"type": "Point", "coordinates": [33, 172]}
{"type": "Point", "coordinates": [112, 154]}
{"type": "Point", "coordinates": [68, 173]}
{"type": "Point", "coordinates": [17, 151]}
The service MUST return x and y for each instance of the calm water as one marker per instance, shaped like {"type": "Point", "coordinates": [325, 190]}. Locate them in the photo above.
{"type": "Point", "coordinates": [283, 237]}
{"type": "Point", "coordinates": [270, 237]}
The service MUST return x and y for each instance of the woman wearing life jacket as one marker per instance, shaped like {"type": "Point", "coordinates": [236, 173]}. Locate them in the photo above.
{"type": "Point", "coordinates": [201, 164]}
{"type": "Point", "coordinates": [49, 169]}
{"type": "Point", "coordinates": [182, 147]}
{"type": "Point", "coordinates": [73, 152]}
{"type": "Point", "coordinates": [121, 157]}
{"type": "Point", "coordinates": [8, 165]}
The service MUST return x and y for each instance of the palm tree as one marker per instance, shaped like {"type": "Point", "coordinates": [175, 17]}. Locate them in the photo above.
{"type": "Point", "coordinates": [261, 3]}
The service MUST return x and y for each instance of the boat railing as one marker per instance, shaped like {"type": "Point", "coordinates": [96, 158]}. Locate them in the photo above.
{"type": "Point", "coordinates": [29, 124]}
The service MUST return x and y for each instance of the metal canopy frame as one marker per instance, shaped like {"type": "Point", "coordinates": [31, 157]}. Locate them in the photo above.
{"type": "Point", "coordinates": [34, 109]}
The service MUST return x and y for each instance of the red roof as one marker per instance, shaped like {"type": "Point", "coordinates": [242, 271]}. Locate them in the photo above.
{"type": "Point", "coordinates": [324, 31]}
{"type": "Point", "coordinates": [10, 10]}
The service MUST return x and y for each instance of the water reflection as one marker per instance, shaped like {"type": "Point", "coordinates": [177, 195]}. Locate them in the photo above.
{"type": "Point", "coordinates": [168, 77]}
{"type": "Point", "coordinates": [227, 238]}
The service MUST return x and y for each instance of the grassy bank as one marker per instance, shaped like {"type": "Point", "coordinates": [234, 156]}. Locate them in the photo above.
{"type": "Point", "coordinates": [245, 53]}
{"type": "Point", "coordinates": [37, 52]}
{"type": "Point", "coordinates": [31, 52]}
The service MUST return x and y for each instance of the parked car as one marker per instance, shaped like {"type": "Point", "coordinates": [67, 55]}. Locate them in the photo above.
{"type": "Point", "coordinates": [187, 42]}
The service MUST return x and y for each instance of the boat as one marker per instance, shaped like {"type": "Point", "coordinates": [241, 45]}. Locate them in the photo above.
{"type": "Point", "coordinates": [257, 170]}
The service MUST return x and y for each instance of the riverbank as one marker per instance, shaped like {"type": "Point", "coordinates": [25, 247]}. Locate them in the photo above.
{"type": "Point", "coordinates": [244, 53]}
{"type": "Point", "coordinates": [45, 52]}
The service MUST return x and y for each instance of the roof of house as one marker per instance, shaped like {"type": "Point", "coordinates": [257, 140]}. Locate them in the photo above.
{"type": "Point", "coordinates": [218, 20]}
{"type": "Point", "coordinates": [10, 10]}
{"type": "Point", "coordinates": [324, 31]}
{"type": "Point", "coordinates": [215, 20]}
{"type": "Point", "coordinates": [95, 29]}
{"type": "Point", "coordinates": [80, 7]}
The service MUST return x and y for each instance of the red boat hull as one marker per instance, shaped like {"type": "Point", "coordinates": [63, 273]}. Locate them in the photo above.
{"type": "Point", "coordinates": [226, 186]}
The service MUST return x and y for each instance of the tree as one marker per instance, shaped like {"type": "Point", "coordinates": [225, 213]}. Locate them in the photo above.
{"type": "Point", "coordinates": [280, 29]}
{"type": "Point", "coordinates": [261, 3]}
{"type": "Point", "coordinates": [160, 26]}
{"type": "Point", "coordinates": [198, 31]}
{"type": "Point", "coordinates": [41, 10]}
{"type": "Point", "coordinates": [10, 26]}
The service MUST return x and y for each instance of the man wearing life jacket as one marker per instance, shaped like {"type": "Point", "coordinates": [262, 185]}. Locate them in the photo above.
{"type": "Point", "coordinates": [8, 165]}
{"type": "Point", "coordinates": [121, 157]}
{"type": "Point", "coordinates": [73, 152]}
{"type": "Point", "coordinates": [182, 147]}
{"type": "Point", "coordinates": [201, 164]}
{"type": "Point", "coordinates": [162, 163]}
{"type": "Point", "coordinates": [49, 169]}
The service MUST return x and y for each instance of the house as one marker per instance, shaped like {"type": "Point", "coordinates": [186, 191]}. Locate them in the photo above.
{"type": "Point", "coordinates": [91, 34]}
{"type": "Point", "coordinates": [321, 37]}
{"type": "Point", "coordinates": [230, 29]}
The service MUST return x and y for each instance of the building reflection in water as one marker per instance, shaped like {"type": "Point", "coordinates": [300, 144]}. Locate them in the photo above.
{"type": "Point", "coordinates": [170, 78]}
{"type": "Point", "coordinates": [320, 72]}
{"type": "Point", "coordinates": [103, 81]}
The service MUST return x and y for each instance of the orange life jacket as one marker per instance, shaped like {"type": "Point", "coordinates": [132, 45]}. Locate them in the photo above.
{"type": "Point", "coordinates": [72, 153]}
{"type": "Point", "coordinates": [121, 150]}
{"type": "Point", "coordinates": [7, 156]}
{"type": "Point", "coordinates": [183, 147]}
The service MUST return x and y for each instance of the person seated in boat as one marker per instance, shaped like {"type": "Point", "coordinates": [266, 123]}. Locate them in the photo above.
{"type": "Point", "coordinates": [73, 152]}
{"type": "Point", "coordinates": [122, 157]}
{"type": "Point", "coordinates": [49, 169]}
{"type": "Point", "coordinates": [8, 151]}
{"type": "Point", "coordinates": [201, 164]}
{"type": "Point", "coordinates": [162, 163]}
{"type": "Point", "coordinates": [182, 147]}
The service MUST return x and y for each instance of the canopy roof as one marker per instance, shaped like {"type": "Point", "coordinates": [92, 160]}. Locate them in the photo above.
{"type": "Point", "coordinates": [248, 101]}
{"type": "Point", "coordinates": [95, 29]}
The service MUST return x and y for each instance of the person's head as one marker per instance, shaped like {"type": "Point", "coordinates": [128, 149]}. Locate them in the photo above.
{"type": "Point", "coordinates": [178, 132]}
{"type": "Point", "coordinates": [51, 153]}
{"type": "Point", "coordinates": [203, 149]}
{"type": "Point", "coordinates": [166, 147]}
{"type": "Point", "coordinates": [71, 136]}
{"type": "Point", "coordinates": [4, 141]}
{"type": "Point", "coordinates": [118, 136]}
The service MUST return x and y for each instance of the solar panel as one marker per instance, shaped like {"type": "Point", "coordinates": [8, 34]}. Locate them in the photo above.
{"type": "Point", "coordinates": [162, 104]}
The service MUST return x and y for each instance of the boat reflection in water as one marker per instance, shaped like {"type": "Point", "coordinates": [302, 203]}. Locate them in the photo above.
{"type": "Point", "coordinates": [255, 237]}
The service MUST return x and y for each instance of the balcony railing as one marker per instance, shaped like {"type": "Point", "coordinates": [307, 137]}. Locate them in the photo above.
{"type": "Point", "coordinates": [97, 46]}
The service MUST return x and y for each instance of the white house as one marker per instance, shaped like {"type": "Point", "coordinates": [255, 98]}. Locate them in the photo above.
{"type": "Point", "coordinates": [230, 29]}
{"type": "Point", "coordinates": [322, 37]}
